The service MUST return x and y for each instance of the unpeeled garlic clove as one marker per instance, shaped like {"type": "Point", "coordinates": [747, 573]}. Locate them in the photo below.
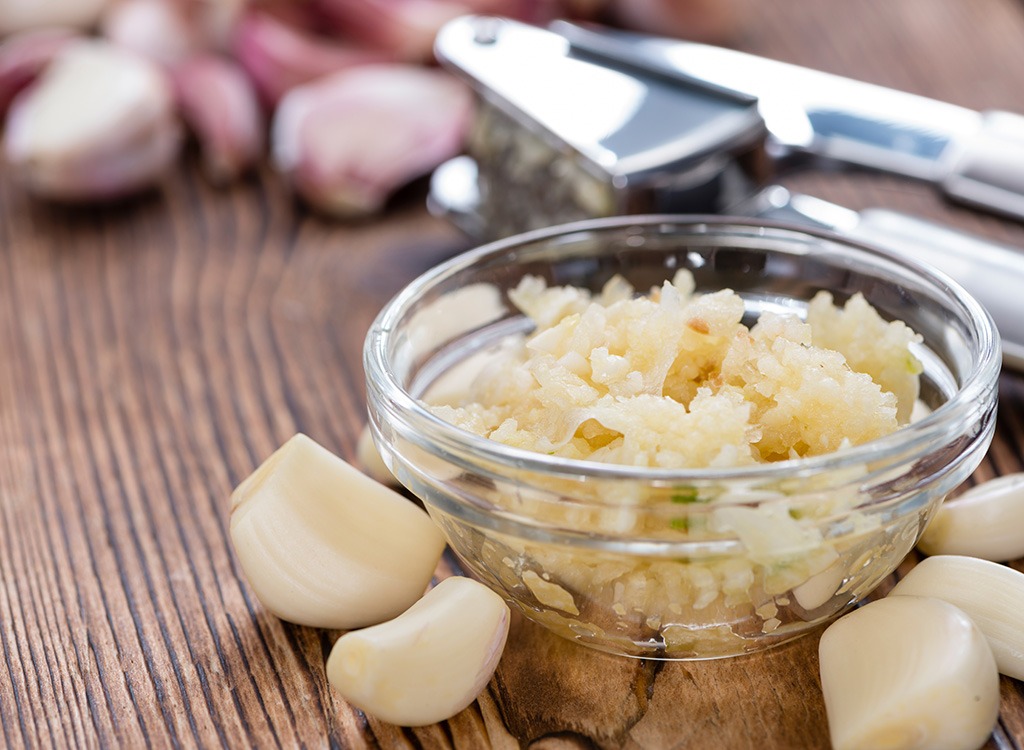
{"type": "Point", "coordinates": [346, 142]}
{"type": "Point", "coordinates": [24, 15]}
{"type": "Point", "coordinates": [405, 29]}
{"type": "Point", "coordinates": [219, 104]}
{"type": "Point", "coordinates": [427, 664]}
{"type": "Point", "coordinates": [408, 29]}
{"type": "Point", "coordinates": [326, 546]}
{"type": "Point", "coordinates": [278, 57]}
{"type": "Point", "coordinates": [991, 594]}
{"type": "Point", "coordinates": [908, 672]}
{"type": "Point", "coordinates": [986, 521]}
{"type": "Point", "coordinates": [170, 31]}
{"type": "Point", "coordinates": [99, 123]}
{"type": "Point", "coordinates": [26, 55]}
{"type": "Point", "coordinates": [155, 29]}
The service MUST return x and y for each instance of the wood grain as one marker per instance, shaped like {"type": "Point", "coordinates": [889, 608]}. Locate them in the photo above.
{"type": "Point", "coordinates": [153, 352]}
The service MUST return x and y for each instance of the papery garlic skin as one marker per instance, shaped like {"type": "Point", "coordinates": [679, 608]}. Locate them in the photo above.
{"type": "Point", "coordinates": [323, 545]}
{"type": "Point", "coordinates": [429, 663]}
{"type": "Point", "coordinates": [348, 141]}
{"type": "Point", "coordinates": [100, 123]}
{"type": "Point", "coordinates": [908, 672]}
{"type": "Point", "coordinates": [23, 15]}
{"type": "Point", "coordinates": [986, 521]}
{"type": "Point", "coordinates": [991, 594]}
{"type": "Point", "coordinates": [221, 108]}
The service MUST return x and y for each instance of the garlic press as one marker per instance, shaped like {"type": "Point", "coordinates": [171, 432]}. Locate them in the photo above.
{"type": "Point", "coordinates": [579, 122]}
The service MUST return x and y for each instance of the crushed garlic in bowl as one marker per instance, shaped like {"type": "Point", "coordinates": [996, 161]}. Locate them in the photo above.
{"type": "Point", "coordinates": [710, 465]}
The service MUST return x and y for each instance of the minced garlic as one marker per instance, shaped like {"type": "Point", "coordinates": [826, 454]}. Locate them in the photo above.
{"type": "Point", "coordinates": [675, 379]}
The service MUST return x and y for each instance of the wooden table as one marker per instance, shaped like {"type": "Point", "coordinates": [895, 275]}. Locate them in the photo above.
{"type": "Point", "coordinates": [151, 354]}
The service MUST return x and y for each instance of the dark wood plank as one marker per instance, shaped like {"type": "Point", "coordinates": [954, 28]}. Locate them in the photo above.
{"type": "Point", "coordinates": [153, 352]}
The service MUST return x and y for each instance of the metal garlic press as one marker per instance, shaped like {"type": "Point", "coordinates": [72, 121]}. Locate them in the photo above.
{"type": "Point", "coordinates": [578, 122]}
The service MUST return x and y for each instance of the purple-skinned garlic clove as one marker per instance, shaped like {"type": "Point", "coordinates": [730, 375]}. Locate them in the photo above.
{"type": "Point", "coordinates": [348, 141]}
{"type": "Point", "coordinates": [407, 28]}
{"type": "Point", "coordinates": [171, 31]}
{"type": "Point", "coordinates": [98, 124]}
{"type": "Point", "coordinates": [24, 56]}
{"type": "Point", "coordinates": [155, 29]}
{"type": "Point", "coordinates": [219, 104]}
{"type": "Point", "coordinates": [278, 57]}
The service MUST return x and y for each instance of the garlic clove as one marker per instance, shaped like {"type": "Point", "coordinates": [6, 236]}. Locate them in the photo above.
{"type": "Point", "coordinates": [278, 57]}
{"type": "Point", "coordinates": [346, 142]}
{"type": "Point", "coordinates": [991, 594]}
{"type": "Point", "coordinates": [99, 123]}
{"type": "Point", "coordinates": [155, 29]}
{"type": "Point", "coordinates": [408, 29]}
{"type": "Point", "coordinates": [219, 104]}
{"type": "Point", "coordinates": [371, 462]}
{"type": "Point", "coordinates": [25, 15]}
{"type": "Point", "coordinates": [24, 56]}
{"type": "Point", "coordinates": [908, 672]}
{"type": "Point", "coordinates": [986, 521]}
{"type": "Point", "coordinates": [429, 663]}
{"type": "Point", "coordinates": [215, 20]}
{"type": "Point", "coordinates": [170, 31]}
{"type": "Point", "coordinates": [326, 546]}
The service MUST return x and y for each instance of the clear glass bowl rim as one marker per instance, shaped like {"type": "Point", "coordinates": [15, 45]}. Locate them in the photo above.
{"type": "Point", "coordinates": [905, 444]}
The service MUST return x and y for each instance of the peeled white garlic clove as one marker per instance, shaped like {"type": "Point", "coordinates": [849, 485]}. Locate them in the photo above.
{"type": "Point", "coordinates": [427, 664]}
{"type": "Point", "coordinates": [99, 123]}
{"type": "Point", "coordinates": [324, 545]}
{"type": "Point", "coordinates": [219, 104]}
{"type": "Point", "coordinates": [370, 460]}
{"type": "Point", "coordinates": [278, 57]}
{"type": "Point", "coordinates": [25, 56]}
{"type": "Point", "coordinates": [991, 594]}
{"type": "Point", "coordinates": [346, 142]}
{"type": "Point", "coordinates": [24, 15]}
{"type": "Point", "coordinates": [986, 521]}
{"type": "Point", "coordinates": [908, 672]}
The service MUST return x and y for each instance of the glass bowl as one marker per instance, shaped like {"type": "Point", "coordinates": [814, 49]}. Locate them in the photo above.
{"type": "Point", "coordinates": [678, 564]}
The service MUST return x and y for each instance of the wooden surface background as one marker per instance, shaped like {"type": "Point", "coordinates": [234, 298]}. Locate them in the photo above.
{"type": "Point", "coordinates": [153, 353]}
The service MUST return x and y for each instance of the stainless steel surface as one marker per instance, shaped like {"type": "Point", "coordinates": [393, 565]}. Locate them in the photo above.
{"type": "Point", "coordinates": [992, 273]}
{"type": "Point", "coordinates": [615, 111]}
{"type": "Point", "coordinates": [563, 136]}
{"type": "Point", "coordinates": [976, 158]}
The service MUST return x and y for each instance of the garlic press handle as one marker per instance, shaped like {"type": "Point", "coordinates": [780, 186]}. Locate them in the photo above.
{"type": "Point", "coordinates": [987, 170]}
{"type": "Point", "coordinates": [991, 272]}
